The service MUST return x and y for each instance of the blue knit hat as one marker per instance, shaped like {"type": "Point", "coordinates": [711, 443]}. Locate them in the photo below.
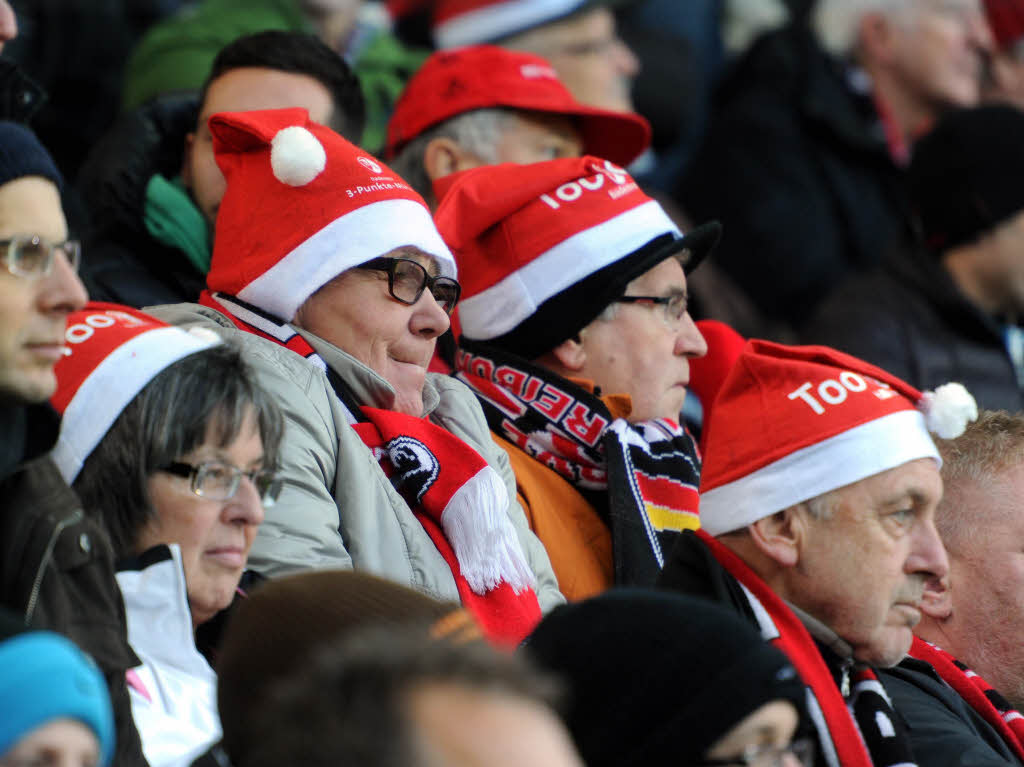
{"type": "Point", "coordinates": [22, 155]}
{"type": "Point", "coordinates": [46, 677]}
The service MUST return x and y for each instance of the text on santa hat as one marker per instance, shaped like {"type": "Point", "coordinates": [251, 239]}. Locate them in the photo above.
{"type": "Point", "coordinates": [620, 184]}
{"type": "Point", "coordinates": [377, 186]}
{"type": "Point", "coordinates": [82, 331]}
{"type": "Point", "coordinates": [833, 392]}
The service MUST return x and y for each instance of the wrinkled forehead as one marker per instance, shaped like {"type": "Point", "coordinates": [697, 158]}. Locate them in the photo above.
{"type": "Point", "coordinates": [420, 256]}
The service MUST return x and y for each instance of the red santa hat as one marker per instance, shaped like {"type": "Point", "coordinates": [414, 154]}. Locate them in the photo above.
{"type": "Point", "coordinates": [302, 206]}
{"type": "Point", "coordinates": [544, 248]}
{"type": "Point", "coordinates": [794, 422]}
{"type": "Point", "coordinates": [112, 353]}
{"type": "Point", "coordinates": [466, 22]}
{"type": "Point", "coordinates": [453, 82]}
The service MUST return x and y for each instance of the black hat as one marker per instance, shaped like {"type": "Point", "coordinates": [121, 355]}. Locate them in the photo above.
{"type": "Point", "coordinates": [964, 176]}
{"type": "Point", "coordinates": [655, 678]}
{"type": "Point", "coordinates": [22, 155]}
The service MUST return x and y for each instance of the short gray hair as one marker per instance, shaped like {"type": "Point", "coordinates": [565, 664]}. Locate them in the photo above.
{"type": "Point", "coordinates": [211, 389]}
{"type": "Point", "coordinates": [476, 131]}
{"type": "Point", "coordinates": [836, 21]}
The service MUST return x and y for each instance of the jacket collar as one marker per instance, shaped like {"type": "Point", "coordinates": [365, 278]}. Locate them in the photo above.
{"type": "Point", "coordinates": [28, 432]}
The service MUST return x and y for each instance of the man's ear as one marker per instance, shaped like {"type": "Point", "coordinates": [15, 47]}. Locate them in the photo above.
{"type": "Point", "coordinates": [186, 159]}
{"type": "Point", "coordinates": [570, 354]}
{"type": "Point", "coordinates": [780, 535]}
{"type": "Point", "coordinates": [444, 156]}
{"type": "Point", "coordinates": [875, 37]}
{"type": "Point", "coordinates": [937, 602]}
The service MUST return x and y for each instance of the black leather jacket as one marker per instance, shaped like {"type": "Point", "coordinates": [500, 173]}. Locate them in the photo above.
{"type": "Point", "coordinates": [57, 566]}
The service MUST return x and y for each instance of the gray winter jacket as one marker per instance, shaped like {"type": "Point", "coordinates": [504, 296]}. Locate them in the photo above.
{"type": "Point", "coordinates": [337, 508]}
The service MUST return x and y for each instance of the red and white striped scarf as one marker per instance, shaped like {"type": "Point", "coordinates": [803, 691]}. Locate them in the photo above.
{"type": "Point", "coordinates": [856, 727]}
{"type": "Point", "coordinates": [459, 499]}
{"type": "Point", "coordinates": [978, 693]}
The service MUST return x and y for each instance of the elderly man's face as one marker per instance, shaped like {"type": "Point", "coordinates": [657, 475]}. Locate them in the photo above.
{"type": "Point", "coordinates": [986, 575]}
{"type": "Point", "coordinates": [589, 57]}
{"type": "Point", "coordinates": [356, 313]}
{"type": "Point", "coordinates": [243, 90]}
{"type": "Point", "coordinates": [862, 570]}
{"type": "Point", "coordinates": [643, 351]}
{"type": "Point", "coordinates": [34, 309]}
{"type": "Point", "coordinates": [939, 52]}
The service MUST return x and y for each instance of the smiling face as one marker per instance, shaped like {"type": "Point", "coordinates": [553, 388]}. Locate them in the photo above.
{"type": "Point", "coordinates": [640, 351]}
{"type": "Point", "coordinates": [356, 313]}
{"type": "Point", "coordinates": [214, 535]}
{"type": "Point", "coordinates": [862, 570]}
{"type": "Point", "coordinates": [34, 310]}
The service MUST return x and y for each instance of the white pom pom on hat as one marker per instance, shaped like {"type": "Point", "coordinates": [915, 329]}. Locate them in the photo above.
{"type": "Point", "coordinates": [948, 410]}
{"type": "Point", "coordinates": [296, 156]}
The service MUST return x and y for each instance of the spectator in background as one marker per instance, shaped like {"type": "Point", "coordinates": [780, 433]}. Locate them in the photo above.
{"type": "Point", "coordinates": [175, 55]}
{"type": "Point", "coordinates": [817, 506]}
{"type": "Point", "coordinates": [336, 667]}
{"type": "Point", "coordinates": [170, 444]}
{"type": "Point", "coordinates": [56, 710]}
{"type": "Point", "coordinates": [484, 105]}
{"type": "Point", "coordinates": [577, 37]}
{"type": "Point", "coordinates": [338, 298]}
{"type": "Point", "coordinates": [962, 694]}
{"type": "Point", "coordinates": [55, 565]}
{"type": "Point", "coordinates": [577, 341]}
{"type": "Point", "coordinates": [810, 132]}
{"type": "Point", "coordinates": [153, 186]}
{"type": "Point", "coordinates": [948, 309]}
{"type": "Point", "coordinates": [657, 679]}
{"type": "Point", "coordinates": [8, 23]}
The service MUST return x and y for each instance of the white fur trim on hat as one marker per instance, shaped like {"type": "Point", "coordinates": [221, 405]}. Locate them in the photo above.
{"type": "Point", "coordinates": [848, 457]}
{"type": "Point", "coordinates": [505, 304]}
{"type": "Point", "coordinates": [349, 240]}
{"type": "Point", "coordinates": [296, 156]}
{"type": "Point", "coordinates": [113, 384]}
{"type": "Point", "coordinates": [499, 20]}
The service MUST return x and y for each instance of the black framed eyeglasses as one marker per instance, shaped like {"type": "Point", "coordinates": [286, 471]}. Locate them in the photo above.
{"type": "Point", "coordinates": [219, 481]}
{"type": "Point", "coordinates": [801, 749]}
{"type": "Point", "coordinates": [29, 255]}
{"type": "Point", "coordinates": [407, 279]}
{"type": "Point", "coordinates": [674, 305]}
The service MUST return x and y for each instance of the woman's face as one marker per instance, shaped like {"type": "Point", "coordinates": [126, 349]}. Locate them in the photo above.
{"type": "Point", "coordinates": [764, 732]}
{"type": "Point", "coordinates": [356, 313]}
{"type": "Point", "coordinates": [214, 535]}
{"type": "Point", "coordinates": [58, 743]}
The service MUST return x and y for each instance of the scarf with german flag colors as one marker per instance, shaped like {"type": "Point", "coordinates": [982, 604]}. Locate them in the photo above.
{"type": "Point", "coordinates": [641, 477]}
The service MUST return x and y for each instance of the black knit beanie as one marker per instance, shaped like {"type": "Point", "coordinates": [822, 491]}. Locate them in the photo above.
{"type": "Point", "coordinates": [964, 176]}
{"type": "Point", "coordinates": [656, 678]}
{"type": "Point", "coordinates": [22, 155]}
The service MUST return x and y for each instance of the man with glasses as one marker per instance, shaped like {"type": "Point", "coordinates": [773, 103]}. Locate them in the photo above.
{"type": "Point", "coordinates": [577, 340]}
{"type": "Point", "coordinates": [55, 565]}
{"type": "Point", "coordinates": [335, 263]}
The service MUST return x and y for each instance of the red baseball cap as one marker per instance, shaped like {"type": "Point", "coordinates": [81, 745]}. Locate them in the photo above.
{"type": "Point", "coordinates": [485, 76]}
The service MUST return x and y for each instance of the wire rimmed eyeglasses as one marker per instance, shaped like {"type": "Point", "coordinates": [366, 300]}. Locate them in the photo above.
{"type": "Point", "coordinates": [29, 255]}
{"type": "Point", "coordinates": [219, 481]}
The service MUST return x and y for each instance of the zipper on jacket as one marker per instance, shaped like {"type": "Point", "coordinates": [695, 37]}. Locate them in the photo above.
{"type": "Point", "coordinates": [77, 516]}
